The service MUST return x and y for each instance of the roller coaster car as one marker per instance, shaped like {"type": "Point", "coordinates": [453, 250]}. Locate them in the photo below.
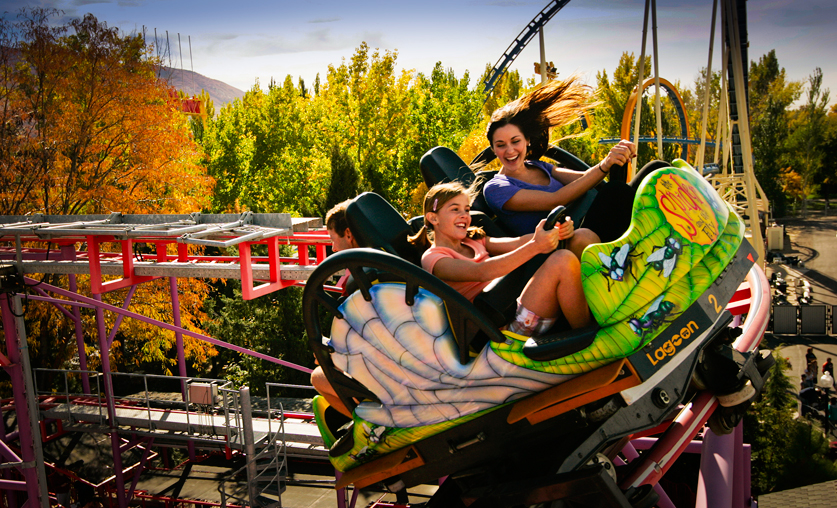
{"type": "Point", "coordinates": [437, 389]}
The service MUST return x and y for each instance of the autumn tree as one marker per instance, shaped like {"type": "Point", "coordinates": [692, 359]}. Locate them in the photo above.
{"type": "Point", "coordinates": [87, 128]}
{"type": "Point", "coordinates": [90, 128]}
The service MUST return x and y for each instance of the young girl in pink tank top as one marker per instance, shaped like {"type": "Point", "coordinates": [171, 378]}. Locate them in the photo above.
{"type": "Point", "coordinates": [468, 260]}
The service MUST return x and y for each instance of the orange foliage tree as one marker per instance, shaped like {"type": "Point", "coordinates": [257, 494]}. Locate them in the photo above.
{"type": "Point", "coordinates": [87, 128]}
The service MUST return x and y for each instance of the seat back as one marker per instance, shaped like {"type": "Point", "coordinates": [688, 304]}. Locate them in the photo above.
{"type": "Point", "coordinates": [378, 225]}
{"type": "Point", "coordinates": [480, 204]}
{"type": "Point", "coordinates": [441, 165]}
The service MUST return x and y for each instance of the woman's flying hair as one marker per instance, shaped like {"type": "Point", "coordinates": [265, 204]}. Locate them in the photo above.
{"type": "Point", "coordinates": [556, 103]}
{"type": "Point", "coordinates": [434, 200]}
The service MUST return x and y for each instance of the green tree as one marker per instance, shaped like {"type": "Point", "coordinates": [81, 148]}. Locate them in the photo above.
{"type": "Point", "coordinates": [345, 180]}
{"type": "Point", "coordinates": [443, 111]}
{"type": "Point", "coordinates": [271, 324]}
{"type": "Point", "coordinates": [771, 94]}
{"type": "Point", "coordinates": [693, 101]}
{"type": "Point", "coordinates": [614, 94]}
{"type": "Point", "coordinates": [263, 154]}
{"type": "Point", "coordinates": [809, 134]}
{"type": "Point", "coordinates": [828, 173]}
{"type": "Point", "coordinates": [786, 453]}
{"type": "Point", "coordinates": [507, 88]}
{"type": "Point", "coordinates": [364, 102]}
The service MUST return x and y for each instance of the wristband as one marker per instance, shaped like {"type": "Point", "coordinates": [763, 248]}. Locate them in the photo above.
{"type": "Point", "coordinates": [602, 169]}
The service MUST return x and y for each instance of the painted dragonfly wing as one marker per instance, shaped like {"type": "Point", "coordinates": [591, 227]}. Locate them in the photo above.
{"type": "Point", "coordinates": [407, 356]}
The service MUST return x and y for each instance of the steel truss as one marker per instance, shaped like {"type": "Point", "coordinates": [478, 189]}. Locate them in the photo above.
{"type": "Point", "coordinates": [113, 250]}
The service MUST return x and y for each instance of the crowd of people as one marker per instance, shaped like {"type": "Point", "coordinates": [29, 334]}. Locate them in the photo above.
{"type": "Point", "coordinates": [817, 390]}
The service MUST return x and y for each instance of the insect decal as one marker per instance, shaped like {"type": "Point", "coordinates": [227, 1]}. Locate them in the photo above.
{"type": "Point", "coordinates": [377, 433]}
{"type": "Point", "coordinates": [364, 454]}
{"type": "Point", "coordinates": [665, 257]}
{"type": "Point", "coordinates": [653, 318]}
{"type": "Point", "coordinates": [617, 264]}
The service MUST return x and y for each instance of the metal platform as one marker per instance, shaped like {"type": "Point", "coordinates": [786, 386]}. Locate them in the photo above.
{"type": "Point", "coordinates": [140, 248]}
{"type": "Point", "coordinates": [301, 437]}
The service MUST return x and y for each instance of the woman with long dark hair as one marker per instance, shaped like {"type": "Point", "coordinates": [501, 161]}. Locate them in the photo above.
{"type": "Point", "coordinates": [526, 189]}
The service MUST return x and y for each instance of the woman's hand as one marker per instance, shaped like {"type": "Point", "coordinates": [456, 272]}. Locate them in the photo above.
{"type": "Point", "coordinates": [619, 155]}
{"type": "Point", "coordinates": [547, 241]}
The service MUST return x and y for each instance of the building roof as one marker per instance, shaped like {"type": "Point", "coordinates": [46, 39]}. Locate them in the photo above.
{"type": "Point", "coordinates": [820, 495]}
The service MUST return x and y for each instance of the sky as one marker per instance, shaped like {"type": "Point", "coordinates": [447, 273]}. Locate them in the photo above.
{"type": "Point", "coordinates": [242, 42]}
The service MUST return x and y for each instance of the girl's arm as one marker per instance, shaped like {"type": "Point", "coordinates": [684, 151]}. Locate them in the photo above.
{"type": "Point", "coordinates": [575, 183]}
{"type": "Point", "coordinates": [497, 246]}
{"type": "Point", "coordinates": [464, 270]}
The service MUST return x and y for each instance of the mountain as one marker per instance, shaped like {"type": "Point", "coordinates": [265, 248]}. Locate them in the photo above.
{"type": "Point", "coordinates": [192, 83]}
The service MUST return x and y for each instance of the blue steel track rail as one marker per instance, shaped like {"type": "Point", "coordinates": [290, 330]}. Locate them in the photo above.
{"type": "Point", "coordinates": [520, 42]}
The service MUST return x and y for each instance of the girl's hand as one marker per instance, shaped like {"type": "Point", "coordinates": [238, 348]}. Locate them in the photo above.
{"type": "Point", "coordinates": [619, 155]}
{"type": "Point", "coordinates": [546, 241]}
{"type": "Point", "coordinates": [566, 230]}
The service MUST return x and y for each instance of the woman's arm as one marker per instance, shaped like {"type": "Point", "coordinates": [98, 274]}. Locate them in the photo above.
{"type": "Point", "coordinates": [575, 183]}
{"type": "Point", "coordinates": [464, 270]}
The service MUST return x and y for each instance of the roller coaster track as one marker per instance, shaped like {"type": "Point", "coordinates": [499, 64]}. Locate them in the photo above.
{"type": "Point", "coordinates": [521, 41]}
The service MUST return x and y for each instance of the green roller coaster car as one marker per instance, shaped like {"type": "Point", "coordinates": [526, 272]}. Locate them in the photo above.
{"type": "Point", "coordinates": [437, 389]}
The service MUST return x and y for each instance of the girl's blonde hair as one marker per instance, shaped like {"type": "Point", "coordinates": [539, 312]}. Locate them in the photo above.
{"type": "Point", "coordinates": [555, 104]}
{"type": "Point", "coordinates": [434, 200]}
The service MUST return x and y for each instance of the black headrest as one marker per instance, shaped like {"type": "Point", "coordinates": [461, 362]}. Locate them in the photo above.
{"type": "Point", "coordinates": [378, 225]}
{"type": "Point", "coordinates": [441, 164]}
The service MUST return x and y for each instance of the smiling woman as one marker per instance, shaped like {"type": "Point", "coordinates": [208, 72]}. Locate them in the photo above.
{"type": "Point", "coordinates": [525, 188]}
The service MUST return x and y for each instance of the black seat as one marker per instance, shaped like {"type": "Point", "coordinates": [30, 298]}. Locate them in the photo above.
{"type": "Point", "coordinates": [442, 165]}
{"type": "Point", "coordinates": [378, 225]}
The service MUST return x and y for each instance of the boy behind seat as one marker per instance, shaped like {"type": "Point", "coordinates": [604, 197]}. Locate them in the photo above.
{"type": "Point", "coordinates": [342, 238]}
{"type": "Point", "coordinates": [337, 226]}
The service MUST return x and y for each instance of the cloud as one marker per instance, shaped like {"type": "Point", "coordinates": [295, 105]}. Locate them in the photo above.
{"type": "Point", "coordinates": [324, 20]}
{"type": "Point", "coordinates": [79, 3]}
{"type": "Point", "coordinates": [323, 39]}
{"type": "Point", "coordinates": [14, 6]}
{"type": "Point", "coordinates": [219, 37]}
{"type": "Point", "coordinates": [810, 13]}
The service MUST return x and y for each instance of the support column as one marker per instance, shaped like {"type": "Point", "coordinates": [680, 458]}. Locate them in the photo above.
{"type": "Point", "coordinates": [68, 252]}
{"type": "Point", "coordinates": [26, 408]}
{"type": "Point", "coordinates": [543, 56]}
{"type": "Point", "coordinates": [249, 444]}
{"type": "Point", "coordinates": [716, 471]}
{"type": "Point", "coordinates": [107, 379]}
{"type": "Point", "coordinates": [181, 352]}
{"type": "Point", "coordinates": [739, 495]}
{"type": "Point", "coordinates": [175, 312]}
{"type": "Point", "coordinates": [11, 497]}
